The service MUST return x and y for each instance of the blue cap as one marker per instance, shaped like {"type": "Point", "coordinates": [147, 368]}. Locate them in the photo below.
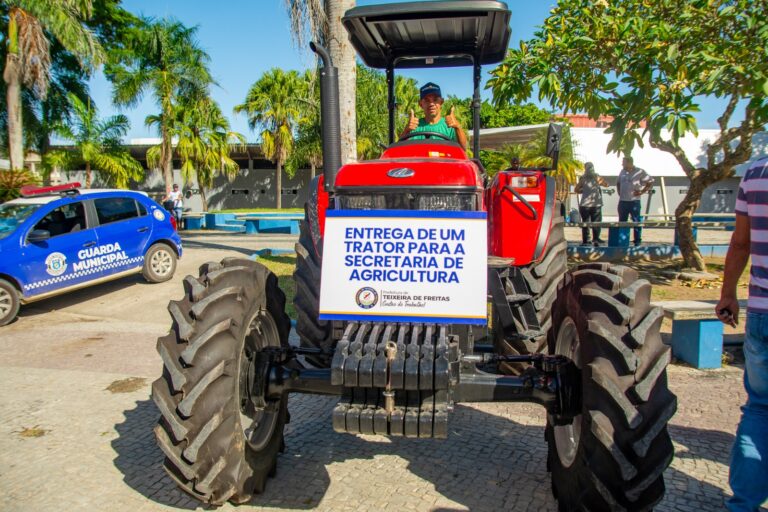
{"type": "Point", "coordinates": [429, 88]}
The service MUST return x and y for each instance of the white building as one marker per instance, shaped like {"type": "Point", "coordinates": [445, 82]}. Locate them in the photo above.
{"type": "Point", "coordinates": [671, 183]}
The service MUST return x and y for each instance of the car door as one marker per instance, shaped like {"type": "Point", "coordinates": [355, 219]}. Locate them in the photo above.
{"type": "Point", "coordinates": [52, 264]}
{"type": "Point", "coordinates": [124, 230]}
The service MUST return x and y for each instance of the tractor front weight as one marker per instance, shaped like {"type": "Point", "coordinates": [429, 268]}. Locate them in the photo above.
{"type": "Point", "coordinates": [403, 379]}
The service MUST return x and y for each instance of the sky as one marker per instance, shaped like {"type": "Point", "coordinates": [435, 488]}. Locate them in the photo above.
{"type": "Point", "coordinates": [246, 38]}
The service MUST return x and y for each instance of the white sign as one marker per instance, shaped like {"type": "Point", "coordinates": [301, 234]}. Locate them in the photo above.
{"type": "Point", "coordinates": [404, 266]}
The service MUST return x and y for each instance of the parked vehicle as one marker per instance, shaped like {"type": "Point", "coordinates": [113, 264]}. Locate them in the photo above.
{"type": "Point", "coordinates": [583, 343]}
{"type": "Point", "coordinates": [57, 239]}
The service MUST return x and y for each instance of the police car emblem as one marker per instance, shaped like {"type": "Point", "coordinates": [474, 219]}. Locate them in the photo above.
{"type": "Point", "coordinates": [158, 214]}
{"type": "Point", "coordinates": [366, 297]}
{"type": "Point", "coordinates": [56, 264]}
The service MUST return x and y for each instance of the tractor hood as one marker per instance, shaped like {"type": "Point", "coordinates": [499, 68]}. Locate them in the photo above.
{"type": "Point", "coordinates": [409, 172]}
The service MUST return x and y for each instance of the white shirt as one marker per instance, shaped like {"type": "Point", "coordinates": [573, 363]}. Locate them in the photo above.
{"type": "Point", "coordinates": [631, 182]}
{"type": "Point", "coordinates": [175, 196]}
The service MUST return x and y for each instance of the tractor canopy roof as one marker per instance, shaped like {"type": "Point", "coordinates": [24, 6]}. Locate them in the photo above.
{"type": "Point", "coordinates": [429, 34]}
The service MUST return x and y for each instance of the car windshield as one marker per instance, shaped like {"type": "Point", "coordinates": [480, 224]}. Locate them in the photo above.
{"type": "Point", "coordinates": [13, 214]}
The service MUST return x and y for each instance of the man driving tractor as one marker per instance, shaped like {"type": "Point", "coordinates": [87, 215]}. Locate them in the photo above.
{"type": "Point", "coordinates": [431, 102]}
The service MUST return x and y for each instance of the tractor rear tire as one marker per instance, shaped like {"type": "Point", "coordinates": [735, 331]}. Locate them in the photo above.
{"type": "Point", "coordinates": [313, 332]}
{"type": "Point", "coordinates": [219, 445]}
{"type": "Point", "coordinates": [541, 279]}
{"type": "Point", "coordinates": [611, 456]}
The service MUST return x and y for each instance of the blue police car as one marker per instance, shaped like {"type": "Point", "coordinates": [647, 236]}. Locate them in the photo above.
{"type": "Point", "coordinates": [57, 239]}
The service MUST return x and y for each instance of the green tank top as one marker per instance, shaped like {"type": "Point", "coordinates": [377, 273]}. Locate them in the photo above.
{"type": "Point", "coordinates": [439, 127]}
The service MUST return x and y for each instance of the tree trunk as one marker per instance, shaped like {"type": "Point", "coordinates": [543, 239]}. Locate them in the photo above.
{"type": "Point", "coordinates": [279, 185]}
{"type": "Point", "coordinates": [201, 187]}
{"type": "Point", "coordinates": [312, 171]}
{"type": "Point", "coordinates": [87, 175]}
{"type": "Point", "coordinates": [12, 78]}
{"type": "Point", "coordinates": [684, 214]}
{"type": "Point", "coordinates": [166, 156]}
{"type": "Point", "coordinates": [343, 56]}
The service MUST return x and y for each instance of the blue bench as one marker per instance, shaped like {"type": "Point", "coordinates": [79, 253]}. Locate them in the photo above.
{"type": "Point", "coordinates": [697, 334]}
{"type": "Point", "coordinates": [193, 220]}
{"type": "Point", "coordinates": [271, 223]}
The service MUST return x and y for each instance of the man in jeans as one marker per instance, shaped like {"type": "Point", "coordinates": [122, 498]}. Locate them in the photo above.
{"type": "Point", "coordinates": [749, 458]}
{"type": "Point", "coordinates": [590, 202]}
{"type": "Point", "coordinates": [178, 203]}
{"type": "Point", "coordinates": [633, 182]}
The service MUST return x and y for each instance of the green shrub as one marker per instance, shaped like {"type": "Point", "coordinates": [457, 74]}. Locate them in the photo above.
{"type": "Point", "coordinates": [11, 182]}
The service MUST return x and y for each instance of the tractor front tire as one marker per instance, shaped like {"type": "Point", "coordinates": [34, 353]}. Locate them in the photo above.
{"type": "Point", "coordinates": [219, 445]}
{"type": "Point", "coordinates": [313, 332]}
{"type": "Point", "coordinates": [611, 456]}
{"type": "Point", "coordinates": [541, 279]}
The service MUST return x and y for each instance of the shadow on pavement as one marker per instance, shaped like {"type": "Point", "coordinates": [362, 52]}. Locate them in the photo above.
{"type": "Point", "coordinates": [197, 244]}
{"type": "Point", "coordinates": [488, 462]}
{"type": "Point", "coordinates": [82, 295]}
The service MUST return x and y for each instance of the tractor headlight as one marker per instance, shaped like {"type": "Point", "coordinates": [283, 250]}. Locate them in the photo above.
{"type": "Point", "coordinates": [363, 202]}
{"type": "Point", "coordinates": [450, 202]}
{"type": "Point", "coordinates": [523, 181]}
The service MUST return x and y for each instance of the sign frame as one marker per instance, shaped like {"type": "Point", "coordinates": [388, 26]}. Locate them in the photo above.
{"type": "Point", "coordinates": [363, 307]}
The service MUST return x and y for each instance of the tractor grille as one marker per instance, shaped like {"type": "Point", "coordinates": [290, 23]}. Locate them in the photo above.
{"type": "Point", "coordinates": [408, 200]}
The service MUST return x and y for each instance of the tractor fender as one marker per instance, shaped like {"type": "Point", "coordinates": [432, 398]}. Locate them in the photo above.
{"type": "Point", "coordinates": [520, 218]}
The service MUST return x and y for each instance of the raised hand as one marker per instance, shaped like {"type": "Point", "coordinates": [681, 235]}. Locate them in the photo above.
{"type": "Point", "coordinates": [413, 122]}
{"type": "Point", "coordinates": [451, 120]}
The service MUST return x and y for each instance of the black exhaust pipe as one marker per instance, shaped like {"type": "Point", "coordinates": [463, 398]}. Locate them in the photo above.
{"type": "Point", "coordinates": [329, 117]}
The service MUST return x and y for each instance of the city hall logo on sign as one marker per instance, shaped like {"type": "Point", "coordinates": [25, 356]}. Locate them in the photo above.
{"type": "Point", "coordinates": [56, 264]}
{"type": "Point", "coordinates": [366, 297]}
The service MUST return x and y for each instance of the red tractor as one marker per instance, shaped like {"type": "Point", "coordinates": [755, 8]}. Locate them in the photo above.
{"type": "Point", "coordinates": [583, 343]}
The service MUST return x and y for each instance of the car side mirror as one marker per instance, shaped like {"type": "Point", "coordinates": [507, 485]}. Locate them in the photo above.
{"type": "Point", "coordinates": [38, 235]}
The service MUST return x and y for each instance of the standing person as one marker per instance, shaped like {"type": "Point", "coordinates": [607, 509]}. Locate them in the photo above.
{"type": "Point", "coordinates": [749, 458]}
{"type": "Point", "coordinates": [590, 202]}
{"type": "Point", "coordinates": [178, 203]}
{"type": "Point", "coordinates": [633, 182]}
{"type": "Point", "coordinates": [431, 102]}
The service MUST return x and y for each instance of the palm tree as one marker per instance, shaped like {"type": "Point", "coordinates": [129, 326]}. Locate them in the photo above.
{"type": "Point", "coordinates": [567, 164]}
{"type": "Point", "coordinates": [321, 21]}
{"type": "Point", "coordinates": [97, 144]}
{"type": "Point", "coordinates": [205, 142]}
{"type": "Point", "coordinates": [372, 118]}
{"type": "Point", "coordinates": [307, 150]}
{"type": "Point", "coordinates": [308, 147]}
{"type": "Point", "coordinates": [28, 58]}
{"type": "Point", "coordinates": [533, 154]}
{"type": "Point", "coordinates": [166, 60]}
{"type": "Point", "coordinates": [272, 105]}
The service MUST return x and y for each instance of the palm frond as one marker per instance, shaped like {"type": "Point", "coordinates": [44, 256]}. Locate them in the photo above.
{"type": "Point", "coordinates": [65, 21]}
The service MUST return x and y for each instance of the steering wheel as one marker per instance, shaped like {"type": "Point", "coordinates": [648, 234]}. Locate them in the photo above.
{"type": "Point", "coordinates": [411, 135]}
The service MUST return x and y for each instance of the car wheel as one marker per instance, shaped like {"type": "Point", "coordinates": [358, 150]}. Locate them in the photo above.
{"type": "Point", "coordinates": [159, 263]}
{"type": "Point", "coordinates": [9, 302]}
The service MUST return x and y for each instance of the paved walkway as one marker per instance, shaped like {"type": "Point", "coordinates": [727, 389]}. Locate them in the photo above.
{"type": "Point", "coordinates": [76, 424]}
